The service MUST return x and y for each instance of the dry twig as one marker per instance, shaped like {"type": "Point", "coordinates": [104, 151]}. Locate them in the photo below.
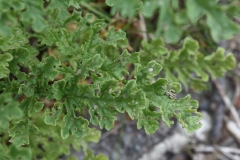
{"type": "Point", "coordinates": [203, 148]}
{"type": "Point", "coordinates": [227, 151]}
{"type": "Point", "coordinates": [233, 129]}
{"type": "Point", "coordinates": [228, 103]}
{"type": "Point", "coordinates": [143, 27]}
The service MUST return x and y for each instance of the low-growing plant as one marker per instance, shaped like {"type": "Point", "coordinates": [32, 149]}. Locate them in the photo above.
{"type": "Point", "coordinates": [64, 71]}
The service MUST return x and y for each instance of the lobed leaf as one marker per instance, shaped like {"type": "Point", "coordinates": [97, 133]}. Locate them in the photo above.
{"type": "Point", "coordinates": [90, 156]}
{"type": "Point", "coordinates": [4, 59]}
{"type": "Point", "coordinates": [46, 69]}
{"type": "Point", "coordinates": [219, 30]}
{"type": "Point", "coordinates": [9, 110]}
{"type": "Point", "coordinates": [77, 126]}
{"type": "Point", "coordinates": [113, 37]}
{"type": "Point", "coordinates": [53, 116]}
{"type": "Point", "coordinates": [15, 153]}
{"type": "Point", "coordinates": [19, 152]}
{"type": "Point", "coordinates": [30, 105]}
{"type": "Point", "coordinates": [184, 109]}
{"type": "Point", "coordinates": [187, 61]}
{"type": "Point", "coordinates": [126, 9]}
{"type": "Point", "coordinates": [34, 13]}
{"type": "Point", "coordinates": [174, 18]}
{"type": "Point", "coordinates": [20, 133]}
{"type": "Point", "coordinates": [117, 67]}
{"type": "Point", "coordinates": [110, 2]}
{"type": "Point", "coordinates": [13, 41]}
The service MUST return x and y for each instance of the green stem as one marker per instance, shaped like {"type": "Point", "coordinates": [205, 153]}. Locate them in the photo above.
{"type": "Point", "coordinates": [86, 5]}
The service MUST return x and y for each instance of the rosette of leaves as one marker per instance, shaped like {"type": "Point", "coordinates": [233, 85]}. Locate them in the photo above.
{"type": "Point", "coordinates": [71, 63]}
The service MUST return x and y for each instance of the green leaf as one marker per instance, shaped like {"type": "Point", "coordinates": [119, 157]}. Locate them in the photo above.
{"type": "Point", "coordinates": [172, 34]}
{"type": "Point", "coordinates": [151, 69]}
{"type": "Point", "coordinates": [130, 99]}
{"type": "Point", "coordinates": [90, 64]}
{"type": "Point", "coordinates": [217, 63]}
{"type": "Point", "coordinates": [126, 9]}
{"type": "Point", "coordinates": [60, 9]}
{"type": "Point", "coordinates": [113, 97]}
{"type": "Point", "coordinates": [194, 12]}
{"type": "Point", "coordinates": [93, 136]}
{"type": "Point", "coordinates": [34, 13]}
{"type": "Point", "coordinates": [13, 41]}
{"type": "Point", "coordinates": [9, 110]}
{"type": "Point", "coordinates": [222, 28]}
{"type": "Point", "coordinates": [68, 72]}
{"type": "Point", "coordinates": [53, 116]}
{"type": "Point", "coordinates": [3, 152]}
{"type": "Point", "coordinates": [20, 133]}
{"type": "Point", "coordinates": [148, 8]}
{"type": "Point", "coordinates": [21, 57]}
{"type": "Point", "coordinates": [46, 69]}
{"type": "Point", "coordinates": [4, 20]}
{"type": "Point", "coordinates": [110, 2]}
{"type": "Point", "coordinates": [184, 109]}
{"type": "Point", "coordinates": [188, 115]}
{"type": "Point", "coordinates": [19, 152]}
{"type": "Point", "coordinates": [18, 5]}
{"type": "Point", "coordinates": [150, 123]}
{"type": "Point", "coordinates": [107, 113]}
{"type": "Point", "coordinates": [74, 3]}
{"type": "Point", "coordinates": [77, 126]}
{"type": "Point", "coordinates": [118, 67]}
{"type": "Point", "coordinates": [59, 89]}
{"type": "Point", "coordinates": [166, 24]}
{"type": "Point", "coordinates": [30, 105]}
{"type": "Point", "coordinates": [15, 153]}
{"type": "Point", "coordinates": [157, 49]}
{"type": "Point", "coordinates": [72, 158]}
{"type": "Point", "coordinates": [187, 61]}
{"type": "Point", "coordinates": [4, 59]}
{"type": "Point", "coordinates": [113, 36]}
{"type": "Point", "coordinates": [90, 156]}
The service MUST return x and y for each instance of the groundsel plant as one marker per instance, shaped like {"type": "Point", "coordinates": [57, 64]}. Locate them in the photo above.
{"type": "Point", "coordinates": [64, 71]}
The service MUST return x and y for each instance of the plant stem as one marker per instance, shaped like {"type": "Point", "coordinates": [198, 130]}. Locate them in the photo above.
{"type": "Point", "coordinates": [102, 15]}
